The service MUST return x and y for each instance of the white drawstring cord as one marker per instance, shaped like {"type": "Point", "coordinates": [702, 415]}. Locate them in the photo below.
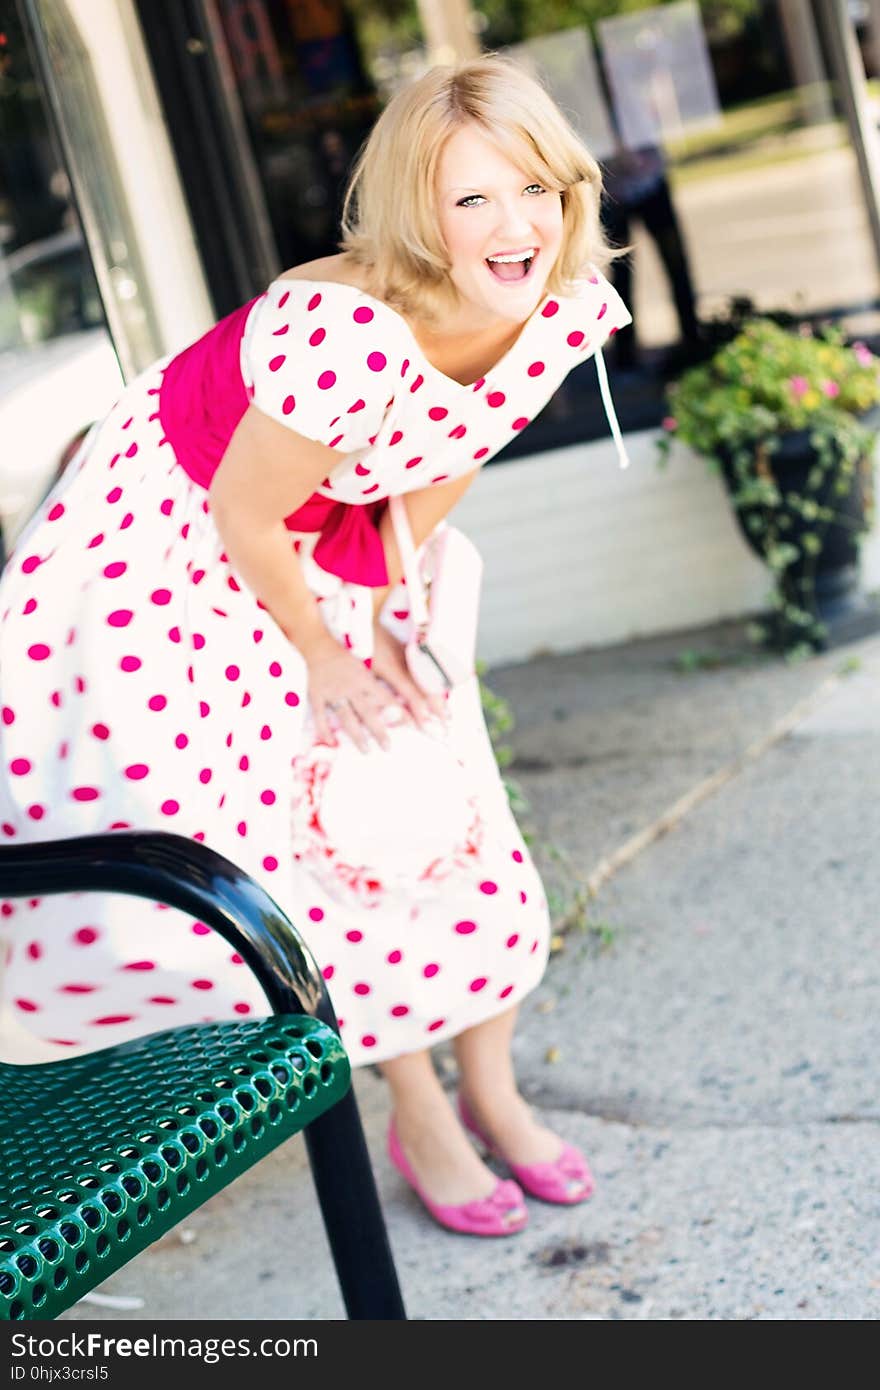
{"type": "Point", "coordinates": [610, 413]}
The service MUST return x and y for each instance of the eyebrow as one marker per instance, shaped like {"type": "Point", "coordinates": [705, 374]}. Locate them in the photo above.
{"type": "Point", "coordinates": [478, 190]}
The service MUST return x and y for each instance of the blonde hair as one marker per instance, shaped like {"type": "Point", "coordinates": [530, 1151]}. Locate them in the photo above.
{"type": "Point", "coordinates": [389, 221]}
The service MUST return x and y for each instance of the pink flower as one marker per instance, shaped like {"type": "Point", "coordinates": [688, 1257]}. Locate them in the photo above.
{"type": "Point", "coordinates": [670, 422]}
{"type": "Point", "coordinates": [831, 388]}
{"type": "Point", "coordinates": [863, 354]}
{"type": "Point", "coordinates": [799, 386]}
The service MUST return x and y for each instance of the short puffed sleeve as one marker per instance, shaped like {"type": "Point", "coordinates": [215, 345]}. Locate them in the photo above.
{"type": "Point", "coordinates": [597, 310]}
{"type": "Point", "coordinates": [318, 359]}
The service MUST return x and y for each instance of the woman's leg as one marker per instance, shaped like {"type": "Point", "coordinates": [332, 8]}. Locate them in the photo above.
{"type": "Point", "coordinates": [431, 1135]}
{"type": "Point", "coordinates": [489, 1086]}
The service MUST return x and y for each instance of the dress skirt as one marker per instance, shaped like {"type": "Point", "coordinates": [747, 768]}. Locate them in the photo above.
{"type": "Point", "coordinates": [144, 686]}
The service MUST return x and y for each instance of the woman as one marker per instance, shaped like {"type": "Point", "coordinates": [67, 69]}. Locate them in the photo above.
{"type": "Point", "coordinates": [208, 613]}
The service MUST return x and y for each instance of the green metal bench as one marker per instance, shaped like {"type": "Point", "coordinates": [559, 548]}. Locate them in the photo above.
{"type": "Point", "coordinates": [102, 1154]}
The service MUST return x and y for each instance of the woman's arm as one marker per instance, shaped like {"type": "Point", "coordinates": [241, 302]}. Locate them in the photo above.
{"type": "Point", "coordinates": [426, 508]}
{"type": "Point", "coordinates": [267, 472]}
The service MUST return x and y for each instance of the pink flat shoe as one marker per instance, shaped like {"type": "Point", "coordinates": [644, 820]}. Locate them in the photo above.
{"type": "Point", "coordinates": [566, 1180]}
{"type": "Point", "coordinates": [502, 1213]}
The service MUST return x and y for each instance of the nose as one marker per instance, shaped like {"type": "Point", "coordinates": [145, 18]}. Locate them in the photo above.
{"type": "Point", "coordinates": [513, 224]}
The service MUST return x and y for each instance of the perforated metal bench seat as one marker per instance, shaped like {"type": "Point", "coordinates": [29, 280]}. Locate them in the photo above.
{"type": "Point", "coordinates": [101, 1155]}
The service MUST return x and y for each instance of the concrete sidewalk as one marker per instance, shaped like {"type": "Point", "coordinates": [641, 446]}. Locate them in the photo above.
{"type": "Point", "coordinates": [710, 1037]}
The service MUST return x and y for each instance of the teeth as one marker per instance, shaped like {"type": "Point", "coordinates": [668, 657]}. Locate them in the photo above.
{"type": "Point", "coordinates": [516, 256]}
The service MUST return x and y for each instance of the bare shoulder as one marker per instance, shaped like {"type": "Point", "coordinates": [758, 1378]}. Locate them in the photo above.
{"type": "Point", "coordinates": [337, 270]}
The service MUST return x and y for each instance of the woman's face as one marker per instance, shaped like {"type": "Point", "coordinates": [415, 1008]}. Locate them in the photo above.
{"type": "Point", "coordinates": [489, 208]}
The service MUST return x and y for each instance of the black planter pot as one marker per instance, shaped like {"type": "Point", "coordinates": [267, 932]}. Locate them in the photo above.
{"type": "Point", "coordinates": [825, 585]}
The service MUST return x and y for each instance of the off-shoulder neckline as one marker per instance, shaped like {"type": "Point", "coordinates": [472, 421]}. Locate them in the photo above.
{"type": "Point", "coordinates": [425, 361]}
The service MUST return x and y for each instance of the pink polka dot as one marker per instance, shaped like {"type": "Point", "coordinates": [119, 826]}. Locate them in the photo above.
{"type": "Point", "coordinates": [161, 999]}
{"type": "Point", "coordinates": [400, 1011]}
{"type": "Point", "coordinates": [437, 412]}
{"type": "Point", "coordinates": [354, 935]}
{"type": "Point", "coordinates": [166, 507]}
{"type": "Point", "coordinates": [465, 928]}
{"type": "Point", "coordinates": [481, 453]}
{"type": "Point", "coordinates": [8, 829]}
{"type": "Point", "coordinates": [170, 807]}
{"type": "Point", "coordinates": [203, 984]}
{"type": "Point", "coordinates": [512, 940]}
{"type": "Point", "coordinates": [174, 634]}
{"type": "Point", "coordinates": [137, 771]}
{"type": "Point", "coordinates": [265, 733]}
{"type": "Point", "coordinates": [394, 957]}
{"type": "Point", "coordinates": [314, 301]}
{"type": "Point", "coordinates": [85, 793]}
{"type": "Point", "coordinates": [419, 381]}
{"type": "Point", "coordinates": [36, 811]}
{"type": "Point", "coordinates": [30, 606]}
{"type": "Point", "coordinates": [430, 971]}
{"type": "Point", "coordinates": [476, 985]}
{"type": "Point", "coordinates": [438, 1023]}
{"type": "Point", "coordinates": [495, 398]}
{"type": "Point", "coordinates": [242, 828]}
{"type": "Point", "coordinates": [204, 709]}
{"type": "Point", "coordinates": [181, 741]}
{"type": "Point", "coordinates": [96, 541]}
{"type": "Point", "coordinates": [120, 617]}
{"type": "Point", "coordinates": [241, 1008]}
{"type": "Point", "coordinates": [291, 698]}
{"type": "Point", "coordinates": [232, 673]}
{"type": "Point", "coordinates": [522, 897]}
{"type": "Point", "coordinates": [411, 463]}
{"type": "Point", "coordinates": [205, 776]}
{"type": "Point", "coordinates": [516, 856]}
{"type": "Point", "coordinates": [267, 797]}
{"type": "Point", "coordinates": [316, 914]}
{"type": "Point", "coordinates": [236, 958]}
{"type": "Point", "coordinates": [396, 437]}
{"type": "Point", "coordinates": [328, 972]}
{"type": "Point", "coordinates": [85, 936]}
{"type": "Point", "coordinates": [550, 308]}
{"type": "Point", "coordinates": [160, 597]}
{"type": "Point", "coordinates": [326, 380]}
{"type": "Point", "coordinates": [197, 576]}
{"type": "Point", "coordinates": [126, 521]}
{"type": "Point", "coordinates": [156, 702]}
{"type": "Point", "coordinates": [288, 405]}
{"type": "Point", "coordinates": [77, 989]}
{"type": "Point", "coordinates": [363, 314]}
{"type": "Point", "coordinates": [110, 1019]}
{"type": "Point", "coordinates": [458, 433]}
{"type": "Point", "coordinates": [20, 767]}
{"type": "Point", "coordinates": [368, 1040]}
{"type": "Point", "coordinates": [55, 699]}
{"type": "Point", "coordinates": [284, 298]}
{"type": "Point", "coordinates": [34, 950]}
{"type": "Point", "coordinates": [80, 685]}
{"type": "Point", "coordinates": [115, 570]}
{"type": "Point", "coordinates": [377, 361]}
{"type": "Point", "coordinates": [487, 886]}
{"type": "Point", "coordinates": [131, 451]}
{"type": "Point", "coordinates": [32, 563]}
{"type": "Point", "coordinates": [358, 405]}
{"type": "Point", "coordinates": [317, 338]}
{"type": "Point", "coordinates": [244, 762]}
{"type": "Point", "coordinates": [508, 989]}
{"type": "Point", "coordinates": [575, 339]}
{"type": "Point", "coordinates": [27, 1006]}
{"type": "Point", "coordinates": [536, 368]}
{"type": "Point", "coordinates": [130, 663]}
{"type": "Point", "coordinates": [140, 965]}
{"type": "Point", "coordinates": [270, 863]}
{"type": "Point", "coordinates": [602, 312]}
{"type": "Point", "coordinates": [520, 422]}
{"type": "Point", "coordinates": [361, 988]}
{"type": "Point", "coordinates": [199, 929]}
{"type": "Point", "coordinates": [39, 651]}
{"type": "Point", "coordinates": [533, 948]}
{"type": "Point", "coordinates": [277, 363]}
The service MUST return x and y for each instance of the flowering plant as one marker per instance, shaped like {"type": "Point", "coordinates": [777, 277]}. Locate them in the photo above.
{"type": "Point", "coordinates": [769, 398]}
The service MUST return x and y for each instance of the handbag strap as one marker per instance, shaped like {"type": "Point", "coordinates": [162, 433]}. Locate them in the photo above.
{"type": "Point", "coordinates": [418, 603]}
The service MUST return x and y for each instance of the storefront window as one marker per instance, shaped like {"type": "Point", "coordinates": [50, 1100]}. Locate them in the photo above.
{"type": "Point", "coordinates": [58, 370]}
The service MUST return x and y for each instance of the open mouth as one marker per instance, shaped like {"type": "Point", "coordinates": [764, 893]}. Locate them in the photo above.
{"type": "Point", "coordinates": [513, 267]}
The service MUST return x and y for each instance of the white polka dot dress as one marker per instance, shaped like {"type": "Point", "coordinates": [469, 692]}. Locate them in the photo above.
{"type": "Point", "coordinates": [143, 685]}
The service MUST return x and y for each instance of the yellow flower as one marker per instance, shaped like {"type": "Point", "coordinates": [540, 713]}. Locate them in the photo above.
{"type": "Point", "coordinates": [811, 399]}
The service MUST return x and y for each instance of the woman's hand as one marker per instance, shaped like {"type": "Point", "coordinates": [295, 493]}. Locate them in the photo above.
{"type": "Point", "coordinates": [389, 664]}
{"type": "Point", "coordinates": [341, 686]}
